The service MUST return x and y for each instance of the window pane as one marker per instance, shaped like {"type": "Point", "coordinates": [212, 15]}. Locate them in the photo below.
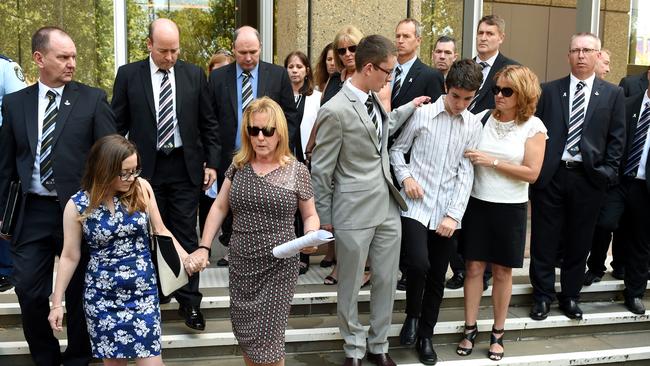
{"type": "Point", "coordinates": [441, 18]}
{"type": "Point", "coordinates": [89, 23]}
{"type": "Point", "coordinates": [640, 33]}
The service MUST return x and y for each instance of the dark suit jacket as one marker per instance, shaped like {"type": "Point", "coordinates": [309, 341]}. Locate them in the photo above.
{"type": "Point", "coordinates": [421, 80]}
{"type": "Point", "coordinates": [136, 115]}
{"type": "Point", "coordinates": [632, 115]}
{"type": "Point", "coordinates": [634, 84]}
{"type": "Point", "coordinates": [273, 82]}
{"type": "Point", "coordinates": [84, 117]}
{"type": "Point", "coordinates": [485, 99]}
{"type": "Point", "coordinates": [603, 132]}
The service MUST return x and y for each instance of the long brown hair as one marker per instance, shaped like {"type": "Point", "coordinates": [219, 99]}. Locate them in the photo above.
{"type": "Point", "coordinates": [103, 165]}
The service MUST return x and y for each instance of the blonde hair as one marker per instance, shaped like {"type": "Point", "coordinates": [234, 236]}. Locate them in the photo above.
{"type": "Point", "coordinates": [276, 119]}
{"type": "Point", "coordinates": [525, 83]}
{"type": "Point", "coordinates": [350, 34]}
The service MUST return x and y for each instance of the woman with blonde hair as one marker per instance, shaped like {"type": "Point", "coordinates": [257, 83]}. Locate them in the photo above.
{"type": "Point", "coordinates": [263, 188]}
{"type": "Point", "coordinates": [345, 46]}
{"type": "Point", "coordinates": [507, 159]}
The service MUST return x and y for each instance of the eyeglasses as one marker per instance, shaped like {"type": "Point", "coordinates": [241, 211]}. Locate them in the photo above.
{"type": "Point", "coordinates": [586, 51]}
{"type": "Point", "coordinates": [124, 176]}
{"type": "Point", "coordinates": [506, 92]}
{"type": "Point", "coordinates": [255, 131]}
{"type": "Point", "coordinates": [388, 72]}
{"type": "Point", "coordinates": [352, 49]}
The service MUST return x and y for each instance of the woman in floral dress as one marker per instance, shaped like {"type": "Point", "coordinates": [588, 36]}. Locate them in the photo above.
{"type": "Point", "coordinates": [109, 215]}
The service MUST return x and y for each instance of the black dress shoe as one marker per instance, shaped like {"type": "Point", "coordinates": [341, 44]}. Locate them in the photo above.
{"type": "Point", "coordinates": [635, 305]}
{"type": "Point", "coordinates": [193, 317]}
{"type": "Point", "coordinates": [485, 283]}
{"type": "Point", "coordinates": [380, 359]}
{"type": "Point", "coordinates": [540, 310]}
{"type": "Point", "coordinates": [222, 262]}
{"type": "Point", "coordinates": [619, 274]}
{"type": "Point", "coordinates": [5, 283]}
{"type": "Point", "coordinates": [426, 354]}
{"type": "Point", "coordinates": [590, 278]}
{"type": "Point", "coordinates": [409, 331]}
{"type": "Point", "coordinates": [401, 283]}
{"type": "Point", "coordinates": [349, 361]}
{"type": "Point", "coordinates": [456, 281]}
{"type": "Point", "coordinates": [571, 309]}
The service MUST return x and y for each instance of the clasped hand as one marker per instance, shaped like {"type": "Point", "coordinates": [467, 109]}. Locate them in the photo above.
{"type": "Point", "coordinates": [196, 262]}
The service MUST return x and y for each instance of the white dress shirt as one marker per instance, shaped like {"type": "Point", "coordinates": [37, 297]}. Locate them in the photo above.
{"type": "Point", "coordinates": [156, 79]}
{"type": "Point", "coordinates": [35, 185]}
{"type": "Point", "coordinates": [572, 92]}
{"type": "Point", "coordinates": [486, 69]}
{"type": "Point", "coordinates": [641, 173]}
{"type": "Point", "coordinates": [363, 97]}
{"type": "Point", "coordinates": [312, 105]}
{"type": "Point", "coordinates": [437, 141]}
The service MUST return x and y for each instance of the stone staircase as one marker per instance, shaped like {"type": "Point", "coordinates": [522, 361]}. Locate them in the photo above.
{"type": "Point", "coordinates": [608, 334]}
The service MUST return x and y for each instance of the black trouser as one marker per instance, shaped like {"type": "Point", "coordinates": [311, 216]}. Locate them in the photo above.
{"type": "Point", "coordinates": [599, 246]}
{"type": "Point", "coordinates": [569, 201]}
{"type": "Point", "coordinates": [41, 239]}
{"type": "Point", "coordinates": [178, 202]}
{"type": "Point", "coordinates": [427, 259]}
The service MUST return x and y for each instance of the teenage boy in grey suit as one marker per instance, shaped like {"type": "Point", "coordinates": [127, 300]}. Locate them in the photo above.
{"type": "Point", "coordinates": [355, 195]}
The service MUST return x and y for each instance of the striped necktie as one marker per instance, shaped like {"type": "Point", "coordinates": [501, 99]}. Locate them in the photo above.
{"type": "Point", "coordinates": [473, 103]}
{"type": "Point", "coordinates": [398, 83]}
{"type": "Point", "coordinates": [166, 125]}
{"type": "Point", "coordinates": [640, 136]}
{"type": "Point", "coordinates": [49, 123]}
{"type": "Point", "coordinates": [246, 91]}
{"type": "Point", "coordinates": [576, 120]}
{"type": "Point", "coordinates": [370, 105]}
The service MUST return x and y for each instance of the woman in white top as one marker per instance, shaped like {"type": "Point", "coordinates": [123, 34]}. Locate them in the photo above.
{"type": "Point", "coordinates": [509, 156]}
{"type": "Point", "coordinates": [307, 103]}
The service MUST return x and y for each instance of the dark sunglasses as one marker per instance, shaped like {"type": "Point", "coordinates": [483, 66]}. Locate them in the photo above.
{"type": "Point", "coordinates": [255, 131]}
{"type": "Point", "coordinates": [506, 92]}
{"type": "Point", "coordinates": [352, 49]}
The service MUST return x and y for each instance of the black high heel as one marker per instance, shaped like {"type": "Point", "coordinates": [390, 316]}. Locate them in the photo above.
{"type": "Point", "coordinates": [471, 336]}
{"type": "Point", "coordinates": [496, 356]}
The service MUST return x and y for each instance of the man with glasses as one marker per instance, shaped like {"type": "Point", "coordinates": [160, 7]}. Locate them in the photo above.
{"type": "Point", "coordinates": [355, 196]}
{"type": "Point", "coordinates": [47, 130]}
{"type": "Point", "coordinates": [585, 117]}
{"type": "Point", "coordinates": [163, 104]}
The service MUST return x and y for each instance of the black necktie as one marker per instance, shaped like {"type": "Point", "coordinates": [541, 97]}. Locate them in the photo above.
{"type": "Point", "coordinates": [166, 115]}
{"type": "Point", "coordinates": [49, 123]}
{"type": "Point", "coordinates": [640, 136]}
{"type": "Point", "coordinates": [576, 120]}
{"type": "Point", "coordinates": [398, 83]}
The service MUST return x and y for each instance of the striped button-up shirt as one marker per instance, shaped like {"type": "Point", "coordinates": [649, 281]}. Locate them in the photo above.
{"type": "Point", "coordinates": [437, 141]}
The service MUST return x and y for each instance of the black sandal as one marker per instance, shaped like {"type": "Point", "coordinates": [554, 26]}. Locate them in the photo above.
{"type": "Point", "coordinates": [471, 336]}
{"type": "Point", "coordinates": [496, 356]}
{"type": "Point", "coordinates": [303, 268]}
{"type": "Point", "coordinates": [326, 264]}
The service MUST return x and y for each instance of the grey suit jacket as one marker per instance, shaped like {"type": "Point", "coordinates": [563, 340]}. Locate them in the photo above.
{"type": "Point", "coordinates": [350, 169]}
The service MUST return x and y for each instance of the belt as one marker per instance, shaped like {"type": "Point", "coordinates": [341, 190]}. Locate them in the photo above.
{"type": "Point", "coordinates": [572, 164]}
{"type": "Point", "coordinates": [43, 198]}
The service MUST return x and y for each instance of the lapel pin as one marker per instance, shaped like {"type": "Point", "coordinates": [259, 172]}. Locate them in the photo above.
{"type": "Point", "coordinates": [410, 80]}
{"type": "Point", "coordinates": [634, 116]}
{"type": "Point", "coordinates": [596, 93]}
{"type": "Point", "coordinates": [66, 102]}
{"type": "Point", "coordinates": [564, 95]}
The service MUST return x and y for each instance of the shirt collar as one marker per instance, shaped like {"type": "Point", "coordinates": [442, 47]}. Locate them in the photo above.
{"type": "Point", "coordinates": [363, 96]}
{"type": "Point", "coordinates": [589, 81]}
{"type": "Point", "coordinates": [253, 72]}
{"type": "Point", "coordinates": [490, 61]}
{"type": "Point", "coordinates": [153, 68]}
{"type": "Point", "coordinates": [645, 99]}
{"type": "Point", "coordinates": [42, 89]}
{"type": "Point", "coordinates": [439, 107]}
{"type": "Point", "coordinates": [408, 63]}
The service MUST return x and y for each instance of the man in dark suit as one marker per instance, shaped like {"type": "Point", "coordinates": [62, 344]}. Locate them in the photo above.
{"type": "Point", "coordinates": [490, 34]}
{"type": "Point", "coordinates": [411, 78]}
{"type": "Point", "coordinates": [233, 86]}
{"type": "Point", "coordinates": [635, 84]}
{"type": "Point", "coordinates": [48, 128]}
{"type": "Point", "coordinates": [164, 106]}
{"type": "Point", "coordinates": [585, 117]}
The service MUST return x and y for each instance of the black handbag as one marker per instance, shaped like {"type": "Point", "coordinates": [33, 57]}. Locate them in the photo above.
{"type": "Point", "coordinates": [10, 212]}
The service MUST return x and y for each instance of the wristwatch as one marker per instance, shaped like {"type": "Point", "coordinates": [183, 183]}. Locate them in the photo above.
{"type": "Point", "coordinates": [495, 163]}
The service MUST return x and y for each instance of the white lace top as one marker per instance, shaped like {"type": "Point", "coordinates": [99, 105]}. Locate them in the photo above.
{"type": "Point", "coordinates": [504, 141]}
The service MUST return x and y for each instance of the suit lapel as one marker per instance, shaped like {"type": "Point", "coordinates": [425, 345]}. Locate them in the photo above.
{"type": "Point", "coordinates": [68, 101]}
{"type": "Point", "coordinates": [407, 80]}
{"type": "Point", "coordinates": [261, 79]}
{"type": "Point", "coordinates": [594, 99]}
{"type": "Point", "coordinates": [361, 110]}
{"type": "Point", "coordinates": [565, 94]}
{"type": "Point", "coordinates": [145, 76]}
{"type": "Point", "coordinates": [231, 85]}
{"type": "Point", "coordinates": [180, 80]}
{"type": "Point", "coordinates": [31, 117]}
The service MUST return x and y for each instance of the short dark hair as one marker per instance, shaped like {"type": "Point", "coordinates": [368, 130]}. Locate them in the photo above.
{"type": "Point", "coordinates": [41, 38]}
{"type": "Point", "coordinates": [493, 19]}
{"type": "Point", "coordinates": [464, 74]}
{"type": "Point", "coordinates": [373, 49]}
{"type": "Point", "coordinates": [308, 85]}
{"type": "Point", "coordinates": [444, 39]}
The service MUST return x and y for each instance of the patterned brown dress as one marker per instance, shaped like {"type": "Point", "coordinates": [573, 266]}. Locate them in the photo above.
{"type": "Point", "coordinates": [262, 286]}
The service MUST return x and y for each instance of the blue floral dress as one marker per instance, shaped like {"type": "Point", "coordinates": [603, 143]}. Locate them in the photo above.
{"type": "Point", "coordinates": [121, 297]}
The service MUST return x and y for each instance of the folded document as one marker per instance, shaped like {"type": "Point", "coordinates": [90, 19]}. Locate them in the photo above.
{"type": "Point", "coordinates": [291, 248]}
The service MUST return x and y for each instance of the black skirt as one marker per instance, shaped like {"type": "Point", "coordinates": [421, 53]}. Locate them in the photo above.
{"type": "Point", "coordinates": [494, 232]}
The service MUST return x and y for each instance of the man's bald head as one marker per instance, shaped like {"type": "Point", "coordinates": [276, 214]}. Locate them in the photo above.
{"type": "Point", "coordinates": [246, 47]}
{"type": "Point", "coordinates": [164, 43]}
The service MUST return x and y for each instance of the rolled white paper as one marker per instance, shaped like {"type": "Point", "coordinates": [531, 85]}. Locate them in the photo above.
{"type": "Point", "coordinates": [293, 247]}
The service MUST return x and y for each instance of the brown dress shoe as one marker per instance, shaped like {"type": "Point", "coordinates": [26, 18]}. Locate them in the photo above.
{"type": "Point", "coordinates": [380, 359]}
{"type": "Point", "coordinates": [349, 361]}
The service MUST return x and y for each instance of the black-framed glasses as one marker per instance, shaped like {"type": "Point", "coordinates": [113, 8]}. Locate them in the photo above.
{"type": "Point", "coordinates": [352, 49]}
{"type": "Point", "coordinates": [586, 51]}
{"type": "Point", "coordinates": [388, 72]}
{"type": "Point", "coordinates": [124, 176]}
{"type": "Point", "coordinates": [255, 131]}
{"type": "Point", "coordinates": [506, 92]}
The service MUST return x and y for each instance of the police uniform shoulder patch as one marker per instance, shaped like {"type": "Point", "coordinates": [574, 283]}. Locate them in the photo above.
{"type": "Point", "coordinates": [19, 73]}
